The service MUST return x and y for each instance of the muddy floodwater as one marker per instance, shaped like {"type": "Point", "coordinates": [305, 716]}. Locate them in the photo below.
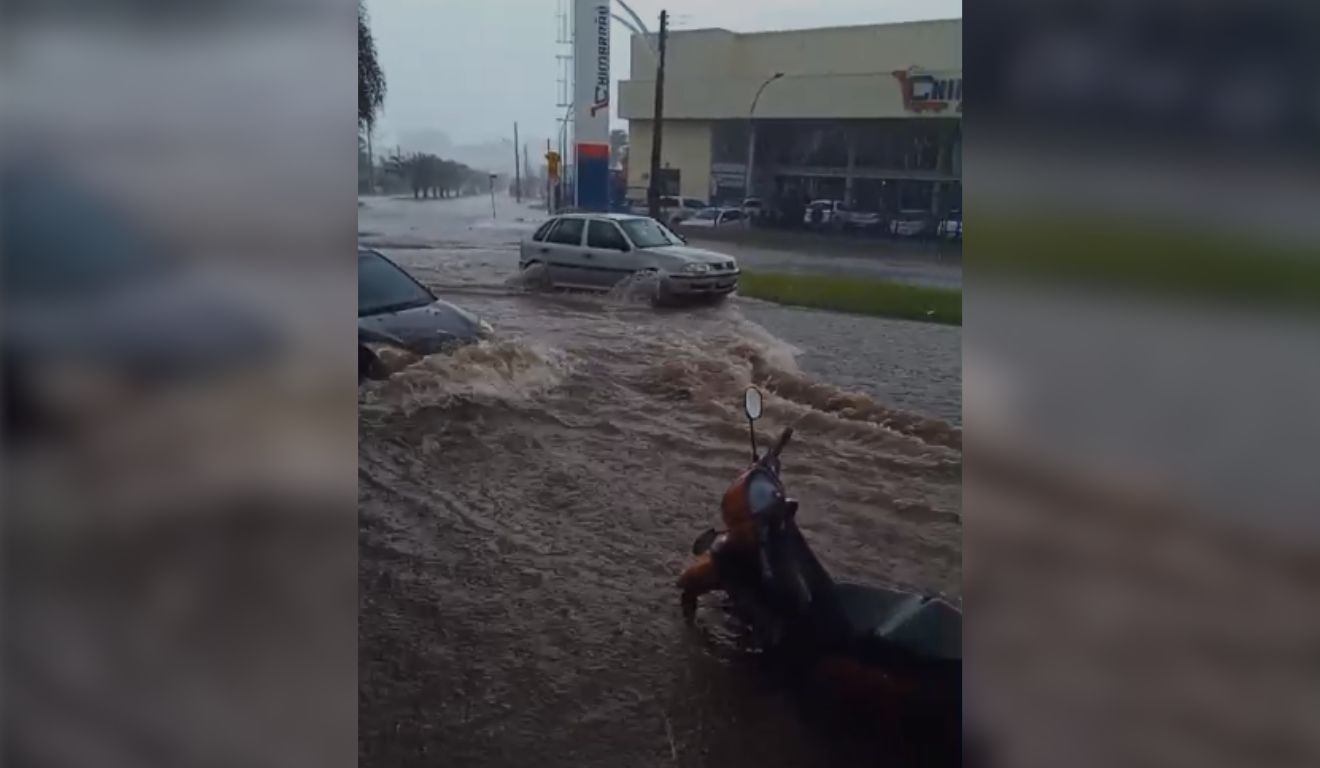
{"type": "Point", "coordinates": [526, 504]}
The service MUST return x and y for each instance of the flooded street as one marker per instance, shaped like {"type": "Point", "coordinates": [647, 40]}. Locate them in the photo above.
{"type": "Point", "coordinates": [526, 504]}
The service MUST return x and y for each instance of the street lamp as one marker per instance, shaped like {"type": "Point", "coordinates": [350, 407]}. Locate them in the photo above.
{"type": "Point", "coordinates": [751, 135]}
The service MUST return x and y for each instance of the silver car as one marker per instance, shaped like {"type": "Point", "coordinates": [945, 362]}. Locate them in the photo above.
{"type": "Point", "coordinates": [597, 251]}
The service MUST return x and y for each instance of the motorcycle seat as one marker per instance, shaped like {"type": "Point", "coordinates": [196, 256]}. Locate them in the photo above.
{"type": "Point", "coordinates": [925, 626]}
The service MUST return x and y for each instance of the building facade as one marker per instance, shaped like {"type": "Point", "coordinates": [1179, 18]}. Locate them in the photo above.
{"type": "Point", "coordinates": [871, 115]}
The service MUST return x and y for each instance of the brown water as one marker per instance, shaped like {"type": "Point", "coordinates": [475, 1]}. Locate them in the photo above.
{"type": "Point", "coordinates": [526, 504]}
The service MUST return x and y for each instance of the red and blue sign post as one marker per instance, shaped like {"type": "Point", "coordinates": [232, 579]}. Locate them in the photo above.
{"type": "Point", "coordinates": [591, 103]}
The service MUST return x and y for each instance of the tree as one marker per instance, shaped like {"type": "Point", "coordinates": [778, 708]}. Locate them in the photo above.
{"type": "Point", "coordinates": [371, 79]}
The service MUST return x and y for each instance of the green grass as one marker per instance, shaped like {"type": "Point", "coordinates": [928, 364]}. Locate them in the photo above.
{"type": "Point", "coordinates": [856, 295]}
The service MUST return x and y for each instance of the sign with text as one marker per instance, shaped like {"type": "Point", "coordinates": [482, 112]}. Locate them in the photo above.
{"type": "Point", "coordinates": [926, 92]}
{"type": "Point", "coordinates": [591, 102]}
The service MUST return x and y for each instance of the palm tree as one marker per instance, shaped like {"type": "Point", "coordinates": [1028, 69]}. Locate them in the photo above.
{"type": "Point", "coordinates": [371, 79]}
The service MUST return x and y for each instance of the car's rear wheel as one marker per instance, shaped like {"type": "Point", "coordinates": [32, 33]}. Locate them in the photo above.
{"type": "Point", "coordinates": [536, 275]}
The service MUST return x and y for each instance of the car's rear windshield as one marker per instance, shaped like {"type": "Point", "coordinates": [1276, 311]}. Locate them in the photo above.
{"type": "Point", "coordinates": [383, 287]}
{"type": "Point", "coordinates": [648, 233]}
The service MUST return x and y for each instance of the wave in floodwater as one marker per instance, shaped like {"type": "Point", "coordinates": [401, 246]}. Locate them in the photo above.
{"type": "Point", "coordinates": [494, 372]}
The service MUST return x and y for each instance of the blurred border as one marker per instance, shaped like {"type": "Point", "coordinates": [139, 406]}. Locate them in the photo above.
{"type": "Point", "coordinates": [1140, 381]}
{"type": "Point", "coordinates": [180, 435]}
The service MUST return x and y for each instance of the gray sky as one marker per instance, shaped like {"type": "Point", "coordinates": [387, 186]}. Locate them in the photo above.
{"type": "Point", "coordinates": [471, 68]}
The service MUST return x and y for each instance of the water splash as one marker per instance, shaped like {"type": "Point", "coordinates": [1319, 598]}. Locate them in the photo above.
{"type": "Point", "coordinates": [502, 370]}
{"type": "Point", "coordinates": [637, 288]}
{"type": "Point", "coordinates": [534, 278]}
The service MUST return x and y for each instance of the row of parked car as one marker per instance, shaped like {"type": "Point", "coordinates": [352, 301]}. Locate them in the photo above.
{"type": "Point", "coordinates": [689, 212]}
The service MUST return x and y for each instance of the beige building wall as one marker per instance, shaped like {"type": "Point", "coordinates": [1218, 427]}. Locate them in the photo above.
{"type": "Point", "coordinates": [686, 146]}
{"type": "Point", "coordinates": [837, 72]}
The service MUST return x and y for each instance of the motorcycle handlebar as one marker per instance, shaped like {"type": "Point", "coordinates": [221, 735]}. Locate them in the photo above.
{"type": "Point", "coordinates": [783, 441]}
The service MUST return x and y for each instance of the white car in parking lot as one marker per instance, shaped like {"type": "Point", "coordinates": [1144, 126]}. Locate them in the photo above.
{"type": "Point", "coordinates": [597, 251]}
{"type": "Point", "coordinates": [710, 218]}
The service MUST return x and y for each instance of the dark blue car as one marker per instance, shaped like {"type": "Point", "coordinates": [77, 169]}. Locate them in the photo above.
{"type": "Point", "coordinates": [394, 310]}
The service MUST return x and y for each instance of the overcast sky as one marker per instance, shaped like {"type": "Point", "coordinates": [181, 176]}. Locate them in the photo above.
{"type": "Point", "coordinates": [472, 67]}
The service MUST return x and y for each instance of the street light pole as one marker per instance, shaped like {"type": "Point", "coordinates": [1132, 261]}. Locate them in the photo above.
{"type": "Point", "coordinates": [658, 123]}
{"type": "Point", "coordinates": [751, 135]}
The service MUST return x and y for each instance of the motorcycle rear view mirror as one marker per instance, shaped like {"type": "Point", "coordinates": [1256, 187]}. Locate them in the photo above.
{"type": "Point", "coordinates": [752, 407]}
{"type": "Point", "coordinates": [752, 403]}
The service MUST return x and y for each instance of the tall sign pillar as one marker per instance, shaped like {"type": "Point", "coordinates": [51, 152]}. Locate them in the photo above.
{"type": "Point", "coordinates": [591, 103]}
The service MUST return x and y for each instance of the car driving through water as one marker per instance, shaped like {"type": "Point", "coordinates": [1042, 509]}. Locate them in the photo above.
{"type": "Point", "coordinates": [398, 316]}
{"type": "Point", "coordinates": [598, 251]}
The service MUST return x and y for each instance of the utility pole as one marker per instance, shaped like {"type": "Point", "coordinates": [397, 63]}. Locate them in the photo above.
{"type": "Point", "coordinates": [658, 122]}
{"type": "Point", "coordinates": [517, 167]}
{"type": "Point", "coordinates": [549, 188]}
{"type": "Point", "coordinates": [492, 197]}
{"type": "Point", "coordinates": [527, 170]}
{"type": "Point", "coordinates": [371, 164]}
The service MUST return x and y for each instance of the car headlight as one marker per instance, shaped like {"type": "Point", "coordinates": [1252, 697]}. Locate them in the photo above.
{"type": "Point", "coordinates": [484, 329]}
{"type": "Point", "coordinates": [700, 269]}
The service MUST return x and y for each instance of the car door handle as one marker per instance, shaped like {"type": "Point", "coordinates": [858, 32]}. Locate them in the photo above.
{"type": "Point", "coordinates": [545, 250]}
{"type": "Point", "coordinates": [588, 255]}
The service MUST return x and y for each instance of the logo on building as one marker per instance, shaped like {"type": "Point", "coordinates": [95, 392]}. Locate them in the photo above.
{"type": "Point", "coordinates": [924, 92]}
{"type": "Point", "coordinates": [602, 90]}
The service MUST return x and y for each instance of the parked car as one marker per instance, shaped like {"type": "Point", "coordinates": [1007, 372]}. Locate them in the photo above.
{"type": "Point", "coordinates": [597, 251]}
{"type": "Point", "coordinates": [398, 314]}
{"type": "Point", "coordinates": [836, 213]}
{"type": "Point", "coordinates": [952, 226]}
{"type": "Point", "coordinates": [753, 207]}
{"type": "Point", "coordinates": [909, 223]}
{"type": "Point", "coordinates": [673, 210]}
{"type": "Point", "coordinates": [710, 218]}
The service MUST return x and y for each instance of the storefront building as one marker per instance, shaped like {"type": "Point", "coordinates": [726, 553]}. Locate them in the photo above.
{"type": "Point", "coordinates": [870, 115]}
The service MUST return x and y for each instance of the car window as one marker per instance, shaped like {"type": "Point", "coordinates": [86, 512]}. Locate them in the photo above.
{"type": "Point", "coordinates": [383, 287]}
{"type": "Point", "coordinates": [603, 234]}
{"type": "Point", "coordinates": [841, 207]}
{"type": "Point", "coordinates": [732, 215]}
{"type": "Point", "coordinates": [543, 230]}
{"type": "Point", "coordinates": [708, 214]}
{"type": "Point", "coordinates": [569, 232]}
{"type": "Point", "coordinates": [669, 202]}
{"type": "Point", "coordinates": [649, 233]}
{"type": "Point", "coordinates": [697, 204]}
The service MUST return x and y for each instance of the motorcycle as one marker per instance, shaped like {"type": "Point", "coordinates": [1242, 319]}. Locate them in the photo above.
{"type": "Point", "coordinates": [898, 652]}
